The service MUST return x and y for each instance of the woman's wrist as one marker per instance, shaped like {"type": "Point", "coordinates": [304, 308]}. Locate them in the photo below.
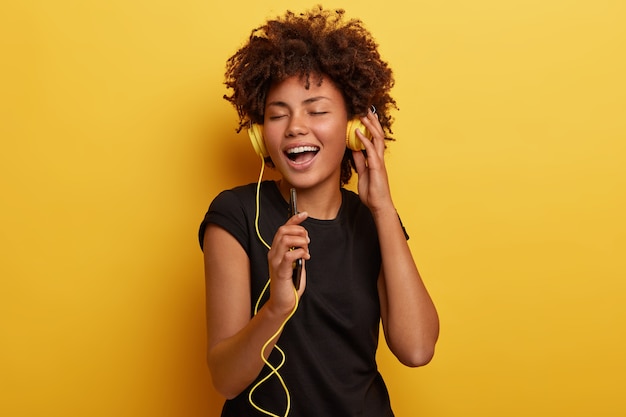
{"type": "Point", "coordinates": [383, 210]}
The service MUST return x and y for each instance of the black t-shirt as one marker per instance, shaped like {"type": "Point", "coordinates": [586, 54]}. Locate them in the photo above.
{"type": "Point", "coordinates": [330, 343]}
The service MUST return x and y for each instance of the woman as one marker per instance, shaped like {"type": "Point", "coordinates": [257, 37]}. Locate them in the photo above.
{"type": "Point", "coordinates": [311, 351]}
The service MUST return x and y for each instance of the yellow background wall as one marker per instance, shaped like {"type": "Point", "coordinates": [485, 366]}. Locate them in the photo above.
{"type": "Point", "coordinates": [509, 172]}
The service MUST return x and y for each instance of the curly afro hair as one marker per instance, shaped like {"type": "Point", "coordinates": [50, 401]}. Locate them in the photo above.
{"type": "Point", "coordinates": [316, 44]}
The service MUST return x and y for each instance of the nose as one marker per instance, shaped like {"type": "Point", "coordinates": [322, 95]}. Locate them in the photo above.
{"type": "Point", "coordinates": [297, 125]}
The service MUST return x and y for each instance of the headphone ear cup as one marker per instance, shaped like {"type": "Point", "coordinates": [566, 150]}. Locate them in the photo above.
{"type": "Point", "coordinates": [352, 140]}
{"type": "Point", "coordinates": [258, 143]}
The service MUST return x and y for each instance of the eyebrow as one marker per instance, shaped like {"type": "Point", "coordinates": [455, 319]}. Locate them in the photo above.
{"type": "Point", "coordinates": [307, 101]}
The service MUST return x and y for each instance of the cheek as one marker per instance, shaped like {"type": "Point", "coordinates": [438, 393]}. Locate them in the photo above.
{"type": "Point", "coordinates": [336, 136]}
{"type": "Point", "coordinates": [271, 138]}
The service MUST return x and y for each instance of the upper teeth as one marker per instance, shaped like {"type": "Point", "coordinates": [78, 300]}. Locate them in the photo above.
{"type": "Point", "coordinates": [301, 149]}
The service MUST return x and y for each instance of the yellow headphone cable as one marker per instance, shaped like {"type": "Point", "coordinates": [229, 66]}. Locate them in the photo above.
{"type": "Point", "coordinates": [274, 369]}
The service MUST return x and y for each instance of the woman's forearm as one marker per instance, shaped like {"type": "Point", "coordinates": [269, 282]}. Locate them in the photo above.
{"type": "Point", "coordinates": [410, 319]}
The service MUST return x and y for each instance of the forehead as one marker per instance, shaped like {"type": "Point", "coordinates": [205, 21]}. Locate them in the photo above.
{"type": "Point", "coordinates": [297, 90]}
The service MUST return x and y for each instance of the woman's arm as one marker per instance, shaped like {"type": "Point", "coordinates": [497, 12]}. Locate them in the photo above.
{"type": "Point", "coordinates": [234, 339]}
{"type": "Point", "coordinates": [409, 317]}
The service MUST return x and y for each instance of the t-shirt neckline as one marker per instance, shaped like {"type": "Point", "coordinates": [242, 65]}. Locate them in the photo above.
{"type": "Point", "coordinates": [285, 204]}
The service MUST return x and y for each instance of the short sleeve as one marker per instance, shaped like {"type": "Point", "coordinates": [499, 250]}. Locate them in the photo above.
{"type": "Point", "coordinates": [406, 235]}
{"type": "Point", "coordinates": [226, 211]}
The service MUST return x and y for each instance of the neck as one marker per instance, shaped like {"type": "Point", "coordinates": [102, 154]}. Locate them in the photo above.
{"type": "Point", "coordinates": [319, 203]}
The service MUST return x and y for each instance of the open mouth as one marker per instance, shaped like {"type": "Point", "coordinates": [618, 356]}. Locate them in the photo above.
{"type": "Point", "coordinates": [302, 154]}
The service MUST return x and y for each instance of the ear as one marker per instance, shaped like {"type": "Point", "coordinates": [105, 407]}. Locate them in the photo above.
{"type": "Point", "coordinates": [255, 131]}
{"type": "Point", "coordinates": [352, 140]}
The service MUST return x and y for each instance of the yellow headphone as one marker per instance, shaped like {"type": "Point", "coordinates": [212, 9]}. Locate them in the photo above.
{"type": "Point", "coordinates": [352, 140]}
